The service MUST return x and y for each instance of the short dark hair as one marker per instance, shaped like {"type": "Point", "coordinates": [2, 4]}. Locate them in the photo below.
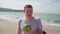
{"type": "Point", "coordinates": [28, 6]}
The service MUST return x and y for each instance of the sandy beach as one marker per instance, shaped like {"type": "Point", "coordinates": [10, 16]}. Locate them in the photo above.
{"type": "Point", "coordinates": [51, 31]}
{"type": "Point", "coordinates": [8, 27]}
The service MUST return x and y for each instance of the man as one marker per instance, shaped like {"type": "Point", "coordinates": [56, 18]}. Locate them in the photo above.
{"type": "Point", "coordinates": [36, 26]}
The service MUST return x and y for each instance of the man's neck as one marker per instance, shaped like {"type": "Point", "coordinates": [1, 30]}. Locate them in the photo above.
{"type": "Point", "coordinates": [29, 17]}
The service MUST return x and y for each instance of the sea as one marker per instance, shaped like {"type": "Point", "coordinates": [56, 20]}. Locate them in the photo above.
{"type": "Point", "coordinates": [13, 15]}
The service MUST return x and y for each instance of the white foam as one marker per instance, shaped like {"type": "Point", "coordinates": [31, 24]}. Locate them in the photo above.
{"type": "Point", "coordinates": [11, 18]}
{"type": "Point", "coordinates": [50, 25]}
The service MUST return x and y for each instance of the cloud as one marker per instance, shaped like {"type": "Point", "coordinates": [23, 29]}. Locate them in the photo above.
{"type": "Point", "coordinates": [49, 6]}
{"type": "Point", "coordinates": [16, 4]}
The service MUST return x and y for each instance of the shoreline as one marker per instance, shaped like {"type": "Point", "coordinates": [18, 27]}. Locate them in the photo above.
{"type": "Point", "coordinates": [45, 23]}
{"type": "Point", "coordinates": [50, 25]}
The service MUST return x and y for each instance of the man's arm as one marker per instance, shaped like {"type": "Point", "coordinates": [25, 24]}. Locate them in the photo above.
{"type": "Point", "coordinates": [19, 27]}
{"type": "Point", "coordinates": [19, 31]}
{"type": "Point", "coordinates": [39, 27]}
{"type": "Point", "coordinates": [40, 31]}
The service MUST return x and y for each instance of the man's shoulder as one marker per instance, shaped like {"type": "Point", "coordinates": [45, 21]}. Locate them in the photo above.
{"type": "Point", "coordinates": [37, 18]}
{"type": "Point", "coordinates": [22, 18]}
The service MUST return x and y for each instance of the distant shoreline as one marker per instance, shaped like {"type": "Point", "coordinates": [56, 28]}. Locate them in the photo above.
{"type": "Point", "coordinates": [9, 10]}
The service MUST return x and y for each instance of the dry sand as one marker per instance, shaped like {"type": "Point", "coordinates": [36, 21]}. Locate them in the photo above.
{"type": "Point", "coordinates": [50, 31]}
{"type": "Point", "coordinates": [7, 27]}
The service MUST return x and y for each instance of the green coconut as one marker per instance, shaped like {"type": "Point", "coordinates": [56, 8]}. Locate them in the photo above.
{"type": "Point", "coordinates": [27, 28]}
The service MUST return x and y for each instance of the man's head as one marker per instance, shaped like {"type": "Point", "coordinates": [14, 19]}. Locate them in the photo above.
{"type": "Point", "coordinates": [28, 10]}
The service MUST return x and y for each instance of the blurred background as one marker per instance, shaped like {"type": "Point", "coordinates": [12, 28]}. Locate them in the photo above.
{"type": "Point", "coordinates": [47, 10]}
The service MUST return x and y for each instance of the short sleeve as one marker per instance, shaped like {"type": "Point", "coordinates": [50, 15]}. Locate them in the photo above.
{"type": "Point", "coordinates": [19, 23]}
{"type": "Point", "coordinates": [39, 24]}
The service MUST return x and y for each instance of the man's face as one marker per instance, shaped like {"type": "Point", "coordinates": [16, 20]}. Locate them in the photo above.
{"type": "Point", "coordinates": [28, 11]}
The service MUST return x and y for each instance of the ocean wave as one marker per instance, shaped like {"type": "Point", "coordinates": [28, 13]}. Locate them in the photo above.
{"type": "Point", "coordinates": [8, 17]}
{"type": "Point", "coordinates": [52, 26]}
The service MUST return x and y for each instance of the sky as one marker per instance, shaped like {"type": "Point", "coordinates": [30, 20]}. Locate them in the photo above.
{"type": "Point", "coordinates": [39, 6]}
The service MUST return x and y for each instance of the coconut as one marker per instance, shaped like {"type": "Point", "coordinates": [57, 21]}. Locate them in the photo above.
{"type": "Point", "coordinates": [27, 28]}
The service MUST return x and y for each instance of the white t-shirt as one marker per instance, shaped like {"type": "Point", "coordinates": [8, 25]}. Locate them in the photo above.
{"type": "Point", "coordinates": [35, 24]}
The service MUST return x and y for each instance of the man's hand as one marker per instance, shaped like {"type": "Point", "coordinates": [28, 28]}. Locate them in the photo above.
{"type": "Point", "coordinates": [34, 32]}
{"type": "Point", "coordinates": [19, 31]}
{"type": "Point", "coordinates": [40, 31]}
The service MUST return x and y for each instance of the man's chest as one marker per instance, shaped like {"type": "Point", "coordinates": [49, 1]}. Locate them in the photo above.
{"type": "Point", "coordinates": [33, 24]}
